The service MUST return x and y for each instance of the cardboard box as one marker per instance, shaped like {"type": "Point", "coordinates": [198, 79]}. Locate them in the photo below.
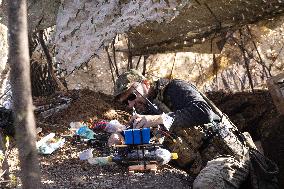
{"type": "Point", "coordinates": [276, 88]}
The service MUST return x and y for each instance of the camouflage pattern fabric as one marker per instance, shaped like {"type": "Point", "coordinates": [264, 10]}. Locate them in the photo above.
{"type": "Point", "coordinates": [223, 173]}
{"type": "Point", "coordinates": [195, 150]}
{"type": "Point", "coordinates": [223, 163]}
{"type": "Point", "coordinates": [186, 146]}
{"type": "Point", "coordinates": [125, 80]}
{"type": "Point", "coordinates": [220, 161]}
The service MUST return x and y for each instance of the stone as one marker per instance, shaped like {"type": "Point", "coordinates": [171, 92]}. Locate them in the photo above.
{"type": "Point", "coordinates": [276, 88]}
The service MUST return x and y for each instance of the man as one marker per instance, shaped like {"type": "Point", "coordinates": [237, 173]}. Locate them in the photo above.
{"type": "Point", "coordinates": [207, 143]}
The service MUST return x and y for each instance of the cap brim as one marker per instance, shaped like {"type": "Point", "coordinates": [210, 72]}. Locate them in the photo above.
{"type": "Point", "coordinates": [118, 94]}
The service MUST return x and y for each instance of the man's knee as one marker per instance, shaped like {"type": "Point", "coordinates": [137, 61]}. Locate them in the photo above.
{"type": "Point", "coordinates": [221, 173]}
{"type": "Point", "coordinates": [210, 176]}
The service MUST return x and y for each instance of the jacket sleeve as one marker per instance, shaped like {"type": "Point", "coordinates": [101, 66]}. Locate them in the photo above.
{"type": "Point", "coordinates": [193, 115]}
{"type": "Point", "coordinates": [187, 105]}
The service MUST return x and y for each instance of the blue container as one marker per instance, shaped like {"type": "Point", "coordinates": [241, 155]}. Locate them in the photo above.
{"type": "Point", "coordinates": [146, 135]}
{"type": "Point", "coordinates": [137, 136]}
{"type": "Point", "coordinates": [128, 136]}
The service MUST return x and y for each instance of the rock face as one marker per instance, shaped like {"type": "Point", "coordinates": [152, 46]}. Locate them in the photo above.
{"type": "Point", "coordinates": [227, 73]}
{"type": "Point", "coordinates": [85, 27]}
{"type": "Point", "coordinates": [273, 144]}
{"type": "Point", "coordinates": [199, 21]}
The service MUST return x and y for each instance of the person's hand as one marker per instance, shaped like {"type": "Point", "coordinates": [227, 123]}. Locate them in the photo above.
{"type": "Point", "coordinates": [142, 121]}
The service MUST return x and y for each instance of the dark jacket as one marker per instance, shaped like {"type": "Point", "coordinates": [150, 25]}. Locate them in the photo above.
{"type": "Point", "coordinates": [186, 104]}
{"type": "Point", "coordinates": [196, 127]}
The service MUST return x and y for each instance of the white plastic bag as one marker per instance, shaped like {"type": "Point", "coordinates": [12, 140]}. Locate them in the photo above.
{"type": "Point", "coordinates": [46, 146]}
{"type": "Point", "coordinates": [114, 126]}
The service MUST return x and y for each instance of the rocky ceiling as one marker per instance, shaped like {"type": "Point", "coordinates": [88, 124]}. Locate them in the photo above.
{"type": "Point", "coordinates": [199, 21]}
{"type": "Point", "coordinates": [153, 26]}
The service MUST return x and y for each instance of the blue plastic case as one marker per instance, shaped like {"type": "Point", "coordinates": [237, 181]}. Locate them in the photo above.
{"type": "Point", "coordinates": [137, 136]}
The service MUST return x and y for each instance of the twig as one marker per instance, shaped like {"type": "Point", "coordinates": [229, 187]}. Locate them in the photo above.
{"type": "Point", "coordinates": [246, 61]}
{"type": "Point", "coordinates": [215, 65]}
{"type": "Point", "coordinates": [4, 181]}
{"type": "Point", "coordinates": [261, 61]}
{"type": "Point", "coordinates": [144, 64]}
{"type": "Point", "coordinates": [172, 70]}
{"type": "Point", "coordinates": [114, 57]}
{"type": "Point", "coordinates": [3, 173]}
{"type": "Point", "coordinates": [130, 64]}
{"type": "Point", "coordinates": [197, 2]}
{"type": "Point", "coordinates": [51, 74]}
{"type": "Point", "coordinates": [215, 17]}
{"type": "Point", "coordinates": [138, 62]}
{"type": "Point", "coordinates": [110, 65]}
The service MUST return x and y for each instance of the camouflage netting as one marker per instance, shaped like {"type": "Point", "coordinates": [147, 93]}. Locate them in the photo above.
{"type": "Point", "coordinates": [41, 13]}
{"type": "Point", "coordinates": [153, 26]}
{"type": "Point", "coordinates": [84, 27]}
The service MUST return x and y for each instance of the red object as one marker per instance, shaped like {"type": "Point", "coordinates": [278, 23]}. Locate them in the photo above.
{"type": "Point", "coordinates": [101, 125]}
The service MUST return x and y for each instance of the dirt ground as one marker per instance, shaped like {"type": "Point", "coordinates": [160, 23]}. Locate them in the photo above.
{"type": "Point", "coordinates": [256, 114]}
{"type": "Point", "coordinates": [248, 111]}
{"type": "Point", "coordinates": [63, 169]}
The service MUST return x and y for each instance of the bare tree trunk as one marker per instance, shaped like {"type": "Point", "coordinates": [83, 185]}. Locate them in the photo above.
{"type": "Point", "coordinates": [130, 63]}
{"type": "Point", "coordinates": [144, 64]}
{"type": "Point", "coordinates": [137, 65]}
{"type": "Point", "coordinates": [21, 90]}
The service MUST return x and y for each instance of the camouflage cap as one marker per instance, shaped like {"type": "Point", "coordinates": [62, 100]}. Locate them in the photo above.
{"type": "Point", "coordinates": [125, 80]}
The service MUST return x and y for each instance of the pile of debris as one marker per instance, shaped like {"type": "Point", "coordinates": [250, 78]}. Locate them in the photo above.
{"type": "Point", "coordinates": [66, 115]}
{"type": "Point", "coordinates": [66, 154]}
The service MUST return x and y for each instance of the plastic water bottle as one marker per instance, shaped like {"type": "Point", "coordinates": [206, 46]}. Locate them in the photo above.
{"type": "Point", "coordinates": [165, 155]}
{"type": "Point", "coordinates": [86, 154]}
{"type": "Point", "coordinates": [100, 160]}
